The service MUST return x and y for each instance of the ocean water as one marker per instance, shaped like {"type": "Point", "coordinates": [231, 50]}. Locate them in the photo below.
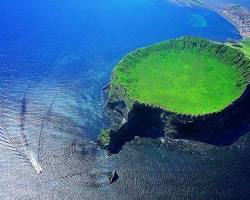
{"type": "Point", "coordinates": [55, 56]}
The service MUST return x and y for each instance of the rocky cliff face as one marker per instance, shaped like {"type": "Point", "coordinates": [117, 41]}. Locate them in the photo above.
{"type": "Point", "coordinates": [130, 118]}
{"type": "Point", "coordinates": [134, 119]}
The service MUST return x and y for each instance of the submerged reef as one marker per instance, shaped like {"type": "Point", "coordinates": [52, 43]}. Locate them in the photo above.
{"type": "Point", "coordinates": [189, 88]}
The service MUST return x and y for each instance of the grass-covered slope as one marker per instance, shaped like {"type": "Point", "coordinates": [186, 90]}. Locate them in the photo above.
{"type": "Point", "coordinates": [186, 76]}
{"type": "Point", "coordinates": [244, 45]}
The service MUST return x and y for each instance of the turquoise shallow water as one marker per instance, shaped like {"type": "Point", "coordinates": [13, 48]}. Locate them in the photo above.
{"type": "Point", "coordinates": [55, 56]}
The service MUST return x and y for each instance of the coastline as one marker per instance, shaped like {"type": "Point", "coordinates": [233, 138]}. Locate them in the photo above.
{"type": "Point", "coordinates": [221, 12]}
{"type": "Point", "coordinates": [237, 15]}
{"type": "Point", "coordinates": [131, 117]}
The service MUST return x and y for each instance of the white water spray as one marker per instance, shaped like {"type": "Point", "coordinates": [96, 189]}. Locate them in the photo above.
{"type": "Point", "coordinates": [34, 162]}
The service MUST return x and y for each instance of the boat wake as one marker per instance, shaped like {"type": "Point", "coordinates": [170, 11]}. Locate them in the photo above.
{"type": "Point", "coordinates": [10, 143]}
{"type": "Point", "coordinates": [20, 145]}
{"type": "Point", "coordinates": [41, 138]}
{"type": "Point", "coordinates": [34, 162]}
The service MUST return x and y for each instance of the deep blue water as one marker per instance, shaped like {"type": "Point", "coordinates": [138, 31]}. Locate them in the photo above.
{"type": "Point", "coordinates": [80, 36]}
{"type": "Point", "coordinates": [55, 56]}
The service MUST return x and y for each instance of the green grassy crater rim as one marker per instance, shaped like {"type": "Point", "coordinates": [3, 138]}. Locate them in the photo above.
{"type": "Point", "coordinates": [189, 76]}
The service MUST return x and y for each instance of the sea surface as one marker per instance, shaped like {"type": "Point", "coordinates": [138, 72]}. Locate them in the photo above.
{"type": "Point", "coordinates": [55, 57]}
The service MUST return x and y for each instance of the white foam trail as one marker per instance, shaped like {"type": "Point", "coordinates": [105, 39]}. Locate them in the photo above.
{"type": "Point", "coordinates": [34, 162]}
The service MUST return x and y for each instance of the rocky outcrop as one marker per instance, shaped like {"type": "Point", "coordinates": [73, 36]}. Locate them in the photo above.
{"type": "Point", "coordinates": [130, 119]}
{"type": "Point", "coordinates": [146, 121]}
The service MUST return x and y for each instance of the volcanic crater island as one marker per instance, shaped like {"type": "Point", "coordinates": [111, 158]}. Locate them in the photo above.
{"type": "Point", "coordinates": [190, 88]}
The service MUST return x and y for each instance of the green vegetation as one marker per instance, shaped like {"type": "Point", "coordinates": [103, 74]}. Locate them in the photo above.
{"type": "Point", "coordinates": [244, 46]}
{"type": "Point", "coordinates": [104, 137]}
{"type": "Point", "coordinates": [186, 76]}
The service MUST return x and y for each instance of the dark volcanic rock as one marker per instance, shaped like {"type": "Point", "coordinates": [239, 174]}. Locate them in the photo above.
{"type": "Point", "coordinates": [130, 119]}
{"type": "Point", "coordinates": [146, 121]}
